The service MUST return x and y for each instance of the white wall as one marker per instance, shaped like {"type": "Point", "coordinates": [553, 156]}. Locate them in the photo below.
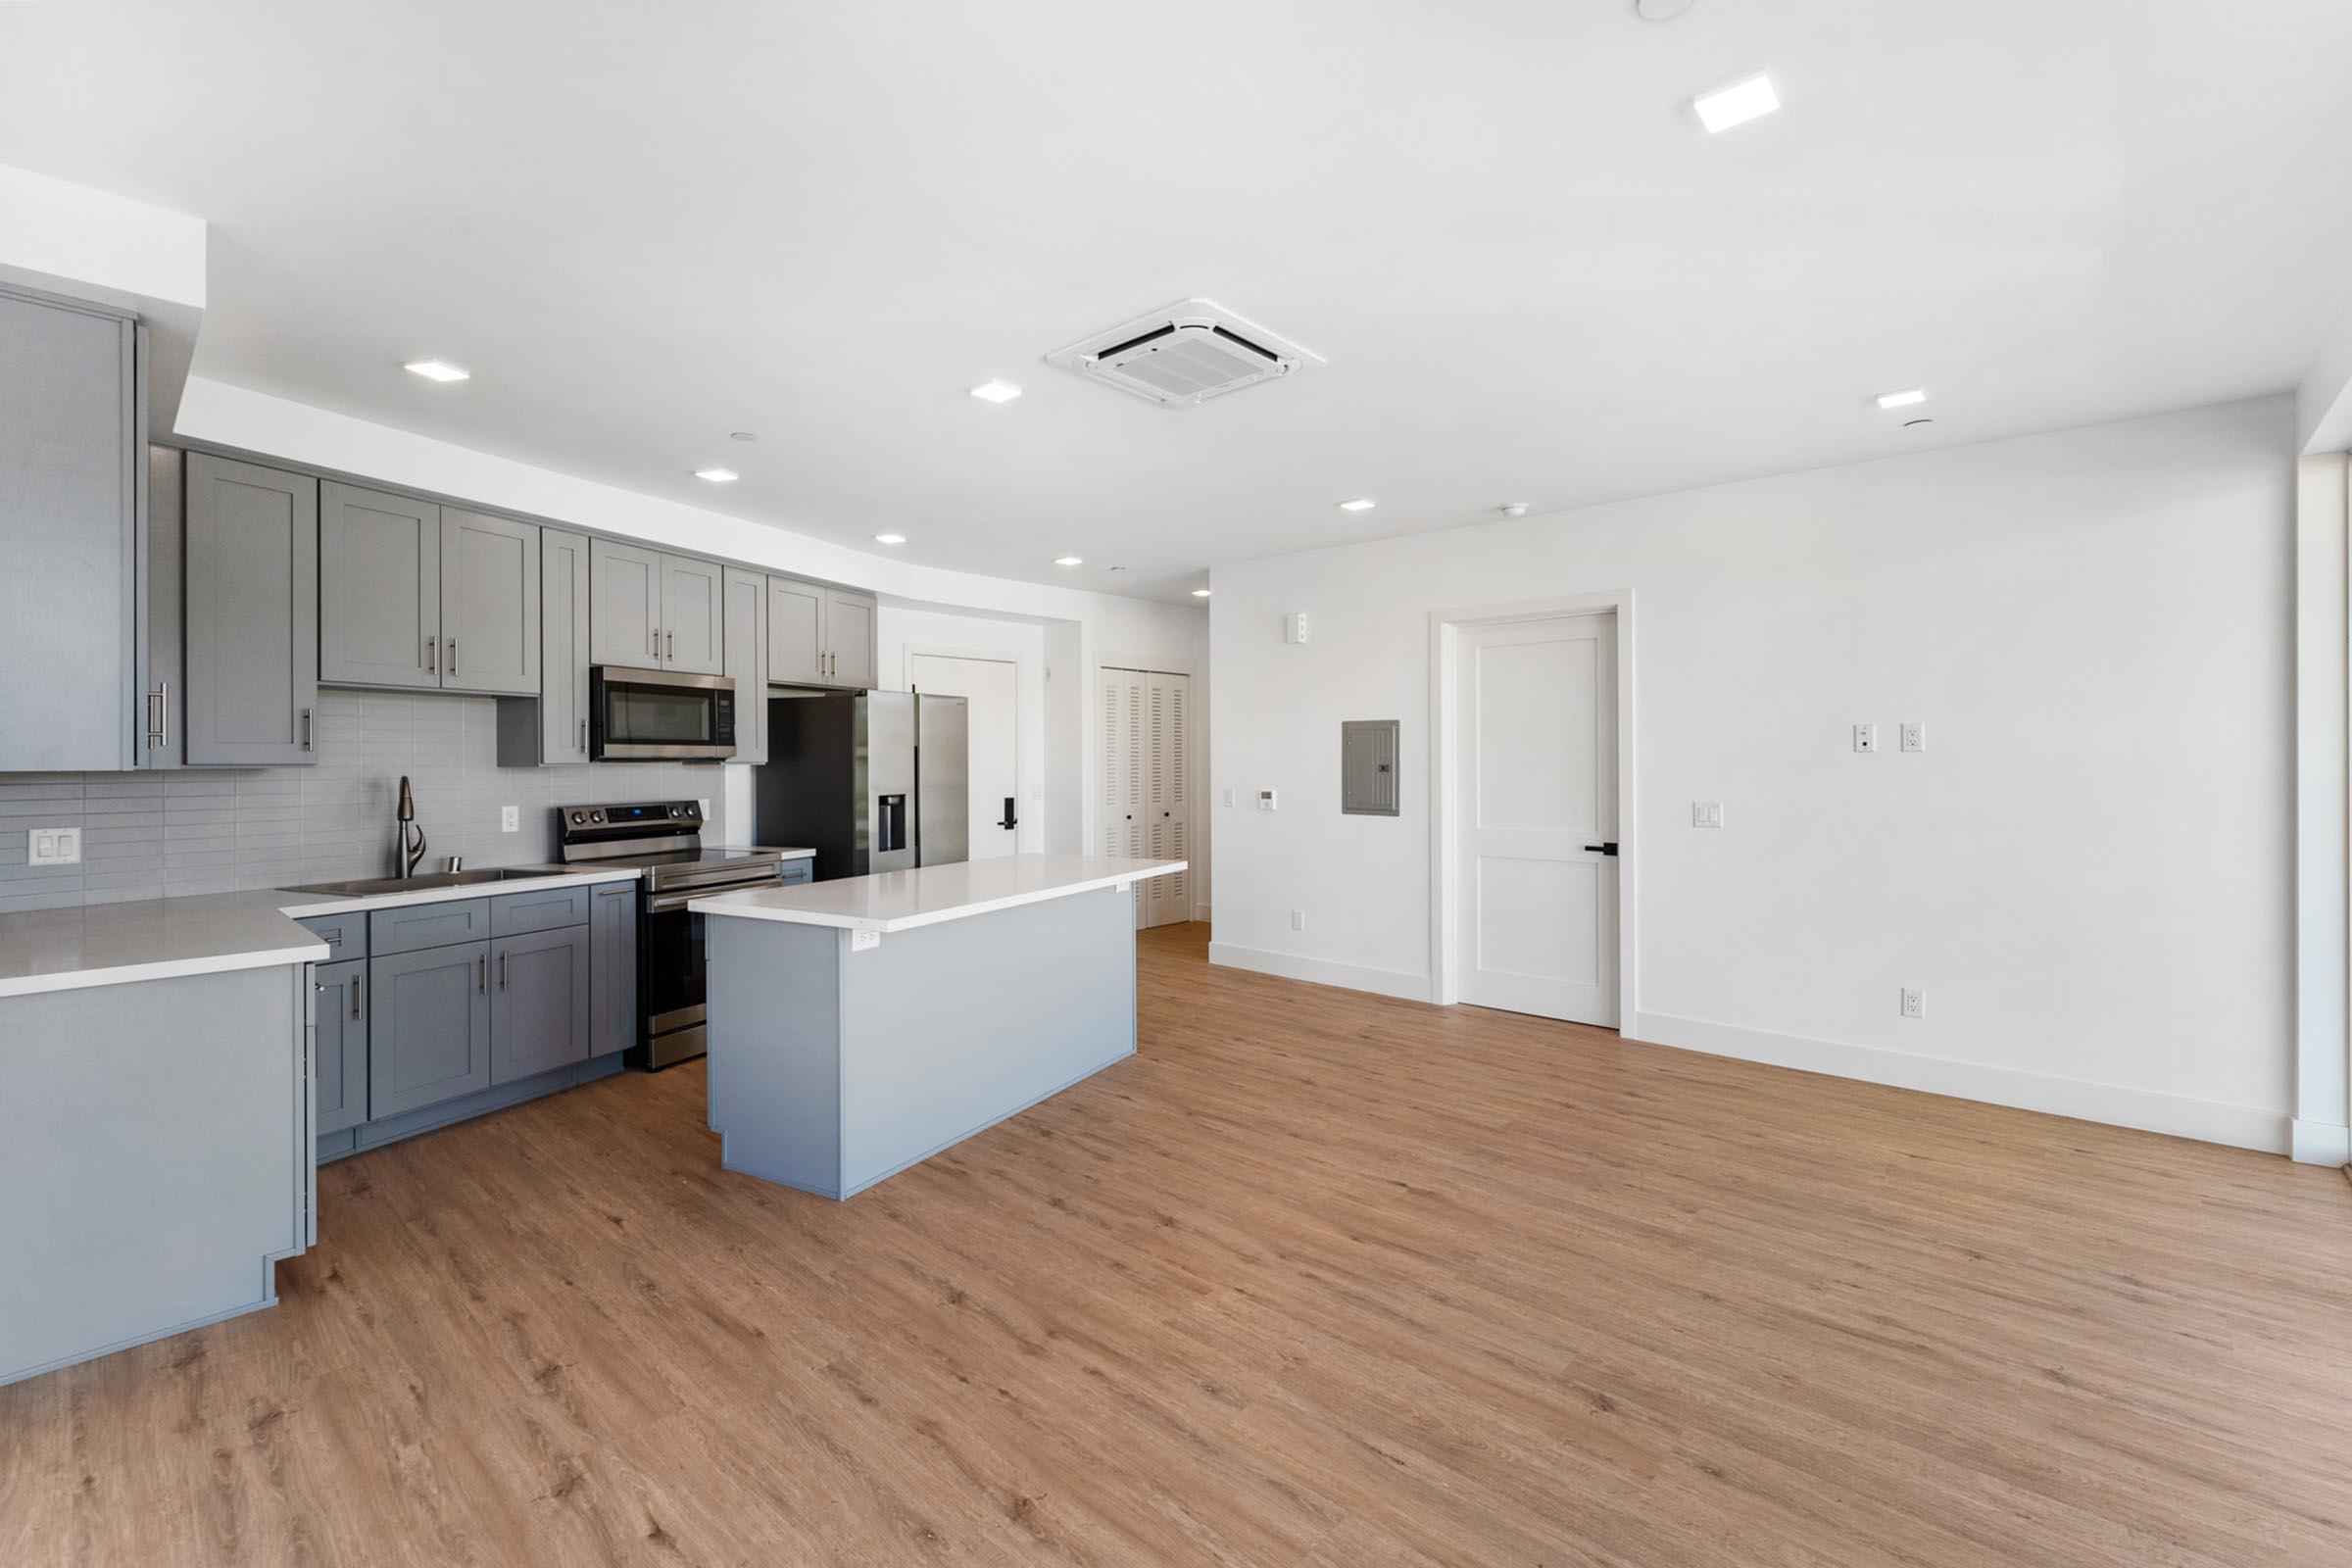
{"type": "Point", "coordinates": [2089, 872]}
{"type": "Point", "coordinates": [2322, 1128]}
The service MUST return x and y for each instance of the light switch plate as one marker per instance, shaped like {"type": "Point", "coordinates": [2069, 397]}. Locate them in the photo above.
{"type": "Point", "coordinates": [52, 846]}
{"type": "Point", "coordinates": [1265, 800]}
{"type": "Point", "coordinates": [1707, 813]}
{"type": "Point", "coordinates": [1229, 797]}
{"type": "Point", "coordinates": [509, 818]}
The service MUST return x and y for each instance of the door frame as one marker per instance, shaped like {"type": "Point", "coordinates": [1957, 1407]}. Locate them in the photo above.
{"type": "Point", "coordinates": [1195, 784]}
{"type": "Point", "coordinates": [1445, 656]}
{"type": "Point", "coordinates": [1023, 671]}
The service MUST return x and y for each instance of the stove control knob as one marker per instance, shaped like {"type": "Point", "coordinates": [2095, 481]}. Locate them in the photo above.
{"type": "Point", "coordinates": [595, 817]}
{"type": "Point", "coordinates": [677, 811]}
{"type": "Point", "coordinates": [579, 816]}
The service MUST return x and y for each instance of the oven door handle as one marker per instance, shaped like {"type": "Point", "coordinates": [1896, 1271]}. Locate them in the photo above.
{"type": "Point", "coordinates": [670, 902]}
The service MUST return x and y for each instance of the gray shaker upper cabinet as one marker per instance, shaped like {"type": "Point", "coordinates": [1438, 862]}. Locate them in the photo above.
{"type": "Point", "coordinates": [551, 729]}
{"type": "Point", "coordinates": [693, 612]}
{"type": "Point", "coordinates": [251, 560]}
{"type": "Point", "coordinates": [379, 589]}
{"type": "Point", "coordinates": [850, 640]}
{"type": "Point", "coordinates": [625, 613]}
{"type": "Point", "coordinates": [489, 603]}
{"type": "Point", "coordinates": [70, 465]}
{"type": "Point", "coordinates": [747, 661]}
{"type": "Point", "coordinates": [796, 632]}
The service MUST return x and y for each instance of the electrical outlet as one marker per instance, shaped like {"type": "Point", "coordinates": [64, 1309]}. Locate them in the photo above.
{"type": "Point", "coordinates": [1915, 1003]}
{"type": "Point", "coordinates": [704, 803]}
{"type": "Point", "coordinates": [1915, 737]}
{"type": "Point", "coordinates": [52, 846]}
{"type": "Point", "coordinates": [1866, 737]}
{"type": "Point", "coordinates": [1707, 813]}
{"type": "Point", "coordinates": [509, 818]}
{"type": "Point", "coordinates": [1298, 919]}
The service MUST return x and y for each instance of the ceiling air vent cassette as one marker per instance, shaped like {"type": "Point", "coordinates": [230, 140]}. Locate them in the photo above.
{"type": "Point", "coordinates": [1187, 353]}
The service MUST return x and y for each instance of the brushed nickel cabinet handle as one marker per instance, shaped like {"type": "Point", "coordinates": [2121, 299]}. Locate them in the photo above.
{"type": "Point", "coordinates": [306, 729]}
{"type": "Point", "coordinates": [481, 973]}
{"type": "Point", "coordinates": [670, 645]}
{"type": "Point", "coordinates": [433, 652]}
{"type": "Point", "coordinates": [358, 985]}
{"type": "Point", "coordinates": [453, 655]}
{"type": "Point", "coordinates": [501, 968]}
{"type": "Point", "coordinates": [583, 737]}
{"type": "Point", "coordinates": [163, 695]}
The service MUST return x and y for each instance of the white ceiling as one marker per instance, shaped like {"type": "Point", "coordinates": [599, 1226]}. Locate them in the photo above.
{"type": "Point", "coordinates": [643, 227]}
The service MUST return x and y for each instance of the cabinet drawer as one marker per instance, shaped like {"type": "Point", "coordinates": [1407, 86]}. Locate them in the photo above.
{"type": "Point", "coordinates": [797, 872]}
{"type": "Point", "coordinates": [548, 909]}
{"type": "Point", "coordinates": [344, 935]}
{"type": "Point", "coordinates": [427, 926]}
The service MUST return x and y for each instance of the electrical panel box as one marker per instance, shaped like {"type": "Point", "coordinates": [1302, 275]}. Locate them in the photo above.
{"type": "Point", "coordinates": [1368, 767]}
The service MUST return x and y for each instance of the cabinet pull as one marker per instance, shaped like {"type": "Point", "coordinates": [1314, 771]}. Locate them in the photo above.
{"type": "Point", "coordinates": [583, 737]}
{"type": "Point", "coordinates": [670, 645]}
{"type": "Point", "coordinates": [358, 985]}
{"type": "Point", "coordinates": [481, 973]}
{"type": "Point", "coordinates": [501, 968]}
{"type": "Point", "coordinates": [433, 652]}
{"type": "Point", "coordinates": [159, 715]}
{"type": "Point", "coordinates": [306, 729]}
{"type": "Point", "coordinates": [453, 655]}
{"type": "Point", "coordinates": [653, 643]}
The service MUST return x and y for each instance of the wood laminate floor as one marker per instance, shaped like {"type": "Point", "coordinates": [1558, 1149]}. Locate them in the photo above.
{"type": "Point", "coordinates": [1319, 1280]}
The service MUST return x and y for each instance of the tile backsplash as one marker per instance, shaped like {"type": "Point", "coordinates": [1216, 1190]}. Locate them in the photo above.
{"type": "Point", "coordinates": [211, 830]}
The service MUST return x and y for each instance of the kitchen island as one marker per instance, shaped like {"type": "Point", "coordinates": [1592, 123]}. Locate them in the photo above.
{"type": "Point", "coordinates": [861, 1025]}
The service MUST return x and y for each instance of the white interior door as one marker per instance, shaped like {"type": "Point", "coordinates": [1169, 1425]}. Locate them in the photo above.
{"type": "Point", "coordinates": [1168, 802]}
{"type": "Point", "coordinates": [1535, 753]}
{"type": "Point", "coordinates": [990, 690]}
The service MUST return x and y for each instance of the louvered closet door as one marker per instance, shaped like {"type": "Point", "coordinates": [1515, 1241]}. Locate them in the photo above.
{"type": "Point", "coordinates": [1168, 802]}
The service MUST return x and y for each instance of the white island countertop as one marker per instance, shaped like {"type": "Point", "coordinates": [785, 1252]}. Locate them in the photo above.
{"type": "Point", "coordinates": [901, 901]}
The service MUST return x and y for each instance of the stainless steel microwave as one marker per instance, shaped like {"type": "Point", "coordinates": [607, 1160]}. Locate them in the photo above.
{"type": "Point", "coordinates": [659, 715]}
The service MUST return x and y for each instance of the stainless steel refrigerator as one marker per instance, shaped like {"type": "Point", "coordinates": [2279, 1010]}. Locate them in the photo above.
{"type": "Point", "coordinates": [871, 781]}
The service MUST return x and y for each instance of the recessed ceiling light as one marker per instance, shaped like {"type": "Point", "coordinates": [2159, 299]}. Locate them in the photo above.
{"type": "Point", "coordinates": [995, 391]}
{"type": "Point", "coordinates": [1746, 99]}
{"type": "Point", "coordinates": [717, 475]}
{"type": "Point", "coordinates": [890, 538]}
{"type": "Point", "coordinates": [1070, 561]}
{"type": "Point", "coordinates": [435, 371]}
{"type": "Point", "coordinates": [1902, 400]}
{"type": "Point", "coordinates": [1359, 503]}
{"type": "Point", "coordinates": [1199, 593]}
{"type": "Point", "coordinates": [1661, 10]}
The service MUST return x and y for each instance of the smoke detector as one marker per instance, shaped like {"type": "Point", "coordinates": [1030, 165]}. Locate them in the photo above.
{"type": "Point", "coordinates": [1183, 354]}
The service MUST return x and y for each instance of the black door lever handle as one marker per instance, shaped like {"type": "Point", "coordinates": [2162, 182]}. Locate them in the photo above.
{"type": "Point", "coordinates": [1010, 820]}
{"type": "Point", "coordinates": [1609, 847]}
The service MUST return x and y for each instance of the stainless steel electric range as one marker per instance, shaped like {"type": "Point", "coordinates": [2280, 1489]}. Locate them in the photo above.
{"type": "Point", "coordinates": [663, 840]}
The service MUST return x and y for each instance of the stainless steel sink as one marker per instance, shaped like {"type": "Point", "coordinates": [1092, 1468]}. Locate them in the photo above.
{"type": "Point", "coordinates": [369, 887]}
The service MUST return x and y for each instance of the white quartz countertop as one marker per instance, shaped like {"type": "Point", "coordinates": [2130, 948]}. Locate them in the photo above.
{"type": "Point", "coordinates": [163, 939]}
{"type": "Point", "coordinates": [901, 901]}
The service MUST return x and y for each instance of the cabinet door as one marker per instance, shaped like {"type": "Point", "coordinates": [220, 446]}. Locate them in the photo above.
{"type": "Point", "coordinates": [747, 661]}
{"type": "Point", "coordinates": [850, 640]}
{"type": "Point", "coordinates": [538, 1002]}
{"type": "Point", "coordinates": [553, 730]}
{"type": "Point", "coordinates": [161, 721]}
{"type": "Point", "coordinates": [796, 632]}
{"type": "Point", "coordinates": [68, 519]}
{"type": "Point", "coordinates": [489, 603]}
{"type": "Point", "coordinates": [379, 588]}
{"type": "Point", "coordinates": [626, 607]}
{"type": "Point", "coordinates": [430, 1038]}
{"type": "Point", "coordinates": [693, 615]}
{"type": "Point", "coordinates": [342, 1066]}
{"type": "Point", "coordinates": [252, 565]}
{"type": "Point", "coordinates": [613, 968]}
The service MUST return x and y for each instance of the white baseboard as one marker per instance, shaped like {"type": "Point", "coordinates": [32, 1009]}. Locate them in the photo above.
{"type": "Point", "coordinates": [2319, 1143]}
{"type": "Point", "coordinates": [1320, 971]}
{"type": "Point", "coordinates": [2211, 1121]}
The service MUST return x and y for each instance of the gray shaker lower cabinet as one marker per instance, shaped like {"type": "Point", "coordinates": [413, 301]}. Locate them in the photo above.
{"type": "Point", "coordinates": [164, 1127]}
{"type": "Point", "coordinates": [613, 968]}
{"type": "Point", "coordinates": [429, 1039]}
{"type": "Point", "coordinates": [538, 1002]}
{"type": "Point", "coordinates": [341, 992]}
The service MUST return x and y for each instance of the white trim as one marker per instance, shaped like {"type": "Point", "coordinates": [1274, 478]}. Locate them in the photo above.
{"type": "Point", "coordinates": [2212, 1121]}
{"type": "Point", "coordinates": [1445, 626]}
{"type": "Point", "coordinates": [1320, 971]}
{"type": "Point", "coordinates": [929, 894]}
{"type": "Point", "coordinates": [2318, 1143]}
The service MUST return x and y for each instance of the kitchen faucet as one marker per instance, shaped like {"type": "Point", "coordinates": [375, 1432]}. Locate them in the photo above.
{"type": "Point", "coordinates": [407, 853]}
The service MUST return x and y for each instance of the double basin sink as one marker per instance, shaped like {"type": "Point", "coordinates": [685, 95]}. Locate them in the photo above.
{"type": "Point", "coordinates": [369, 887]}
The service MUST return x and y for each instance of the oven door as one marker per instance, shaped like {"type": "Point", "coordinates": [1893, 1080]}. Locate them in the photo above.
{"type": "Point", "coordinates": [659, 715]}
{"type": "Point", "coordinates": [671, 982]}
